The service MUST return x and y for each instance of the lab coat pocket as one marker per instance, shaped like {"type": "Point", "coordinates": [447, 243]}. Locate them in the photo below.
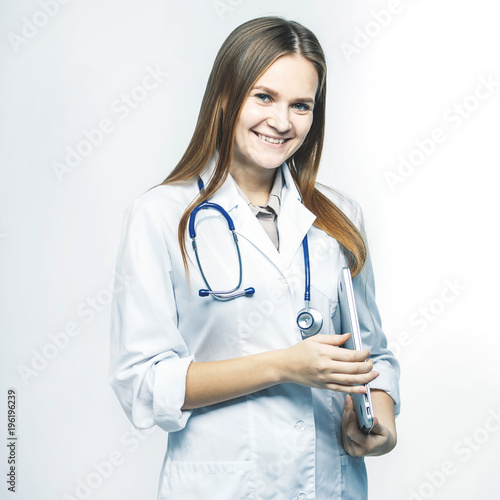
{"type": "Point", "coordinates": [326, 305]}
{"type": "Point", "coordinates": [354, 480]}
{"type": "Point", "coordinates": [196, 480]}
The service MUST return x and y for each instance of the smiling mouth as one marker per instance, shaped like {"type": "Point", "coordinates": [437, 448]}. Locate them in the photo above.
{"type": "Point", "coordinates": [272, 140]}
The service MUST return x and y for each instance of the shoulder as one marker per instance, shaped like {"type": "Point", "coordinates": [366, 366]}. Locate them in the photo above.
{"type": "Point", "coordinates": [158, 211]}
{"type": "Point", "coordinates": [163, 202]}
{"type": "Point", "coordinates": [343, 201]}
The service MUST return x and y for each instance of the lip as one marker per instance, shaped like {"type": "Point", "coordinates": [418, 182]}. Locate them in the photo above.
{"type": "Point", "coordinates": [270, 144]}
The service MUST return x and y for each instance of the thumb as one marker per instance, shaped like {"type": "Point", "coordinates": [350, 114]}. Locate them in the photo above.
{"type": "Point", "coordinates": [335, 339]}
{"type": "Point", "coordinates": [377, 427]}
{"type": "Point", "coordinates": [348, 404]}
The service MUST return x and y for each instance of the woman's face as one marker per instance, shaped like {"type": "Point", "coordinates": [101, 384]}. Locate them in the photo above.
{"type": "Point", "coordinates": [276, 116]}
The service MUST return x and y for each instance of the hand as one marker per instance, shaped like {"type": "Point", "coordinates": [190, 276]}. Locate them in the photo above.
{"type": "Point", "coordinates": [382, 438]}
{"type": "Point", "coordinates": [319, 362]}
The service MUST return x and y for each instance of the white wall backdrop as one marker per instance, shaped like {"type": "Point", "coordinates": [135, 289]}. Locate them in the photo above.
{"type": "Point", "coordinates": [413, 129]}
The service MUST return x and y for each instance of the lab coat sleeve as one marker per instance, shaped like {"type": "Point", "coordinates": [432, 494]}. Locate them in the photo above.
{"type": "Point", "coordinates": [370, 325]}
{"type": "Point", "coordinates": [149, 358]}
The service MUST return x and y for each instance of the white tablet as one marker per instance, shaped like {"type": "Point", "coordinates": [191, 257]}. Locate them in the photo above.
{"type": "Point", "coordinates": [349, 324]}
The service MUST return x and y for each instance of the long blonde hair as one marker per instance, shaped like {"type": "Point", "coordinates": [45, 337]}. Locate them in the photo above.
{"type": "Point", "coordinates": [244, 56]}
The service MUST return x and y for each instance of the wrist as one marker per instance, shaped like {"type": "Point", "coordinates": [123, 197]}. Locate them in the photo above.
{"type": "Point", "coordinates": [384, 411]}
{"type": "Point", "coordinates": [278, 366]}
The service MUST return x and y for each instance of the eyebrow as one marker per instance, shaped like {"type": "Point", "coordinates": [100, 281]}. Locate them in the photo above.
{"type": "Point", "coordinates": [274, 93]}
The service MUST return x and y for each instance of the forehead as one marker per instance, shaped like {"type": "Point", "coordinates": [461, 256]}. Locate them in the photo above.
{"type": "Point", "coordinates": [291, 75]}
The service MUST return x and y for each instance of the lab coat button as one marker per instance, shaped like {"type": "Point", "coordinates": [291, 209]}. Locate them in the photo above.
{"type": "Point", "coordinates": [301, 496]}
{"type": "Point", "coordinates": [300, 426]}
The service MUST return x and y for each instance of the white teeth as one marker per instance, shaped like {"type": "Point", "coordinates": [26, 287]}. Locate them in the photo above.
{"type": "Point", "coordinates": [270, 139]}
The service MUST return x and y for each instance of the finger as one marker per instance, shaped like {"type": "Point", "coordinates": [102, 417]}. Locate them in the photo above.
{"type": "Point", "coordinates": [354, 431]}
{"type": "Point", "coordinates": [350, 380]}
{"type": "Point", "coordinates": [346, 413]}
{"type": "Point", "coordinates": [346, 389]}
{"type": "Point", "coordinates": [348, 403]}
{"type": "Point", "coordinates": [353, 420]}
{"type": "Point", "coordinates": [346, 419]}
{"type": "Point", "coordinates": [337, 353]}
{"type": "Point", "coordinates": [331, 339]}
{"type": "Point", "coordinates": [353, 380]}
{"type": "Point", "coordinates": [348, 406]}
{"type": "Point", "coordinates": [351, 367]}
{"type": "Point", "coordinates": [336, 340]}
{"type": "Point", "coordinates": [353, 436]}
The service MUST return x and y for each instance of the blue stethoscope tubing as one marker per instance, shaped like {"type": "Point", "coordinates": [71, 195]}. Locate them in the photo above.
{"type": "Point", "coordinates": [309, 320]}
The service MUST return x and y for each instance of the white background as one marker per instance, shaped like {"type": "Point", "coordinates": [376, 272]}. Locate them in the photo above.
{"type": "Point", "coordinates": [433, 235]}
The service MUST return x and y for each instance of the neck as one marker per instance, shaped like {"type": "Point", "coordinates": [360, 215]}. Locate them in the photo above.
{"type": "Point", "coordinates": [256, 186]}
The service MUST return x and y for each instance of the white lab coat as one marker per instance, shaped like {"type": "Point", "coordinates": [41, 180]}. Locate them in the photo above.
{"type": "Point", "coordinates": [279, 443]}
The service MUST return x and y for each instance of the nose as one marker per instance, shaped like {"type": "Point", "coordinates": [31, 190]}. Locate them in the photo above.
{"type": "Point", "coordinates": [280, 119]}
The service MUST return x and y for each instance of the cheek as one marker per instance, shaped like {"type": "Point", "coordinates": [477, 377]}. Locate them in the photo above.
{"type": "Point", "coordinates": [302, 128]}
{"type": "Point", "coordinates": [252, 117]}
{"type": "Point", "coordinates": [305, 126]}
{"type": "Point", "coordinates": [247, 121]}
{"type": "Point", "coordinates": [243, 125]}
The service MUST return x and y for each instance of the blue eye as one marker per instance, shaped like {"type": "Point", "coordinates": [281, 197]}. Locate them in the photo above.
{"type": "Point", "coordinates": [302, 107]}
{"type": "Point", "coordinates": [263, 97]}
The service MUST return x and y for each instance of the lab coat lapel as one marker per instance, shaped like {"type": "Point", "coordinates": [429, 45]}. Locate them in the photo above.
{"type": "Point", "coordinates": [294, 219]}
{"type": "Point", "coordinates": [246, 224]}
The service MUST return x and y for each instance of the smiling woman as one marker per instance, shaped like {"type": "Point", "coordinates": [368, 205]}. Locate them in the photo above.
{"type": "Point", "coordinates": [255, 403]}
{"type": "Point", "coordinates": [273, 125]}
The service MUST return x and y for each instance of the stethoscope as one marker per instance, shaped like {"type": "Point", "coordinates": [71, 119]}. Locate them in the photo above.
{"type": "Point", "coordinates": [309, 320]}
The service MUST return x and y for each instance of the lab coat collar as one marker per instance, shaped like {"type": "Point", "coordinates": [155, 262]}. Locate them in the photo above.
{"type": "Point", "coordinates": [294, 220]}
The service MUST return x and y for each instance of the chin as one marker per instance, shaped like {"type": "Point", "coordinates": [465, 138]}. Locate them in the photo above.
{"type": "Point", "coordinates": [269, 163]}
{"type": "Point", "coordinates": [263, 160]}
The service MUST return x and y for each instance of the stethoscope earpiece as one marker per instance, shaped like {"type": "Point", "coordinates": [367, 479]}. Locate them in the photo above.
{"type": "Point", "coordinates": [247, 292]}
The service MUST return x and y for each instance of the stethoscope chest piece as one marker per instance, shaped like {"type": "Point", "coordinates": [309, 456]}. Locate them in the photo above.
{"type": "Point", "coordinates": [309, 321]}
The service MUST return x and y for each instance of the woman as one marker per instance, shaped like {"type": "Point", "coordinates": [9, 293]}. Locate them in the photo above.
{"type": "Point", "coordinates": [254, 408]}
